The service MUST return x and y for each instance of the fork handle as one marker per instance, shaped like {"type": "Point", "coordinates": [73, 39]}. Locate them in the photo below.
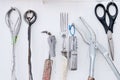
{"type": "Point", "coordinates": [91, 78]}
{"type": "Point", "coordinates": [64, 68]}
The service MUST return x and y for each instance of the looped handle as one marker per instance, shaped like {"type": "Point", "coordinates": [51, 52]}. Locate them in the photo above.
{"type": "Point", "coordinates": [14, 29]}
{"type": "Point", "coordinates": [100, 6]}
{"type": "Point", "coordinates": [112, 17]}
{"type": "Point", "coordinates": [30, 17]}
{"type": "Point", "coordinates": [72, 29]}
{"type": "Point", "coordinates": [102, 19]}
{"type": "Point", "coordinates": [116, 12]}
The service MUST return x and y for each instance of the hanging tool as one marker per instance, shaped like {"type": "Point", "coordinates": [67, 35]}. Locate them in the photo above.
{"type": "Point", "coordinates": [90, 39]}
{"type": "Point", "coordinates": [63, 25]}
{"type": "Point", "coordinates": [30, 17]}
{"type": "Point", "coordinates": [72, 48]}
{"type": "Point", "coordinates": [14, 29]}
{"type": "Point", "coordinates": [64, 32]}
{"type": "Point", "coordinates": [49, 61]}
{"type": "Point", "coordinates": [108, 28]}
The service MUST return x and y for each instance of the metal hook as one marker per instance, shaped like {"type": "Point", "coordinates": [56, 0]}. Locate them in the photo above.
{"type": "Point", "coordinates": [47, 32]}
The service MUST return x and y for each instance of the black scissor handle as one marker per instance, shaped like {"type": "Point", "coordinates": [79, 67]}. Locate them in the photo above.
{"type": "Point", "coordinates": [30, 16]}
{"type": "Point", "coordinates": [116, 8]}
{"type": "Point", "coordinates": [112, 17]}
{"type": "Point", "coordinates": [102, 19]}
{"type": "Point", "coordinates": [100, 6]}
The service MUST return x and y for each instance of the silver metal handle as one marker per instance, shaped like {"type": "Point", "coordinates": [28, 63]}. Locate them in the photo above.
{"type": "Point", "coordinates": [92, 59]}
{"type": "Point", "coordinates": [73, 53]}
{"type": "Point", "coordinates": [52, 45]}
{"type": "Point", "coordinates": [73, 61]}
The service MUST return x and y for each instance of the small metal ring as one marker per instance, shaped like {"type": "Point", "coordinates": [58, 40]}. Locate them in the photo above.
{"type": "Point", "coordinates": [72, 26]}
{"type": "Point", "coordinates": [30, 16]}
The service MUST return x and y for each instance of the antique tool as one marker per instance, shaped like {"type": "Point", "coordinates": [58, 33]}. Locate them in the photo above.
{"type": "Point", "coordinates": [49, 61]}
{"type": "Point", "coordinates": [64, 32]}
{"type": "Point", "coordinates": [89, 38]}
{"type": "Point", "coordinates": [14, 29]}
{"type": "Point", "coordinates": [30, 17]}
{"type": "Point", "coordinates": [108, 28]}
{"type": "Point", "coordinates": [72, 48]}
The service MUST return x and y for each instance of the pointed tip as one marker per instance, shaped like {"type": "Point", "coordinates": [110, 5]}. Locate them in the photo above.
{"type": "Point", "coordinates": [112, 58]}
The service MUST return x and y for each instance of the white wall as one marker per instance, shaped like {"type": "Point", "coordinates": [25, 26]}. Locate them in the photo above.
{"type": "Point", "coordinates": [48, 19]}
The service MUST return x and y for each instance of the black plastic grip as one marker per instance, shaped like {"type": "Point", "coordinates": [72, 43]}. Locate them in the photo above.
{"type": "Point", "coordinates": [112, 18]}
{"type": "Point", "coordinates": [103, 18]}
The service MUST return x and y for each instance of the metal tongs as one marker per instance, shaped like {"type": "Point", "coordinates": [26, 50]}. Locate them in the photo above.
{"type": "Point", "coordinates": [90, 39]}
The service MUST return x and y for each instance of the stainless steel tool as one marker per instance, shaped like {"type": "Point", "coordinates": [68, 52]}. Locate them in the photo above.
{"type": "Point", "coordinates": [14, 29]}
{"type": "Point", "coordinates": [89, 38]}
{"type": "Point", "coordinates": [30, 17]}
{"type": "Point", "coordinates": [72, 48]}
{"type": "Point", "coordinates": [64, 32]}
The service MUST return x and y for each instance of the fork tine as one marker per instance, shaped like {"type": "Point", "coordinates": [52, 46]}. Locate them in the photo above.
{"type": "Point", "coordinates": [63, 21]}
{"type": "Point", "coordinates": [60, 22]}
{"type": "Point", "coordinates": [66, 21]}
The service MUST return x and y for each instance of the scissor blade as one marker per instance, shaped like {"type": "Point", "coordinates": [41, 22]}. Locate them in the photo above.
{"type": "Point", "coordinates": [111, 46]}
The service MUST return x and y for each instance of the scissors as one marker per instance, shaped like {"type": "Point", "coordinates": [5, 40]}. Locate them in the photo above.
{"type": "Point", "coordinates": [93, 46]}
{"type": "Point", "coordinates": [108, 28]}
{"type": "Point", "coordinates": [14, 29]}
{"type": "Point", "coordinates": [30, 17]}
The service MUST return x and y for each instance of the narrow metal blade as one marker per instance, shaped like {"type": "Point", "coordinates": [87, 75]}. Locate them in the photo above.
{"type": "Point", "coordinates": [111, 45]}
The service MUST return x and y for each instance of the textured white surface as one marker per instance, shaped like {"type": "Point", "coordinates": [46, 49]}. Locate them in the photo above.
{"type": "Point", "coordinates": [48, 19]}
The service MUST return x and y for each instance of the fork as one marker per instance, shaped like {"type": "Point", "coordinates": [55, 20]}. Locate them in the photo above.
{"type": "Point", "coordinates": [64, 31]}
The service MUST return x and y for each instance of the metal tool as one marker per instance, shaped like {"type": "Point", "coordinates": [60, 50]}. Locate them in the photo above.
{"type": "Point", "coordinates": [63, 25]}
{"type": "Point", "coordinates": [90, 39]}
{"type": "Point", "coordinates": [30, 17]}
{"type": "Point", "coordinates": [64, 32]}
{"type": "Point", "coordinates": [108, 28]}
{"type": "Point", "coordinates": [72, 48]}
{"type": "Point", "coordinates": [49, 62]}
{"type": "Point", "coordinates": [14, 29]}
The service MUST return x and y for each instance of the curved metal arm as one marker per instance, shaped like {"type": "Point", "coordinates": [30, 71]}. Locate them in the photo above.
{"type": "Point", "coordinates": [92, 56]}
{"type": "Point", "coordinates": [109, 61]}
